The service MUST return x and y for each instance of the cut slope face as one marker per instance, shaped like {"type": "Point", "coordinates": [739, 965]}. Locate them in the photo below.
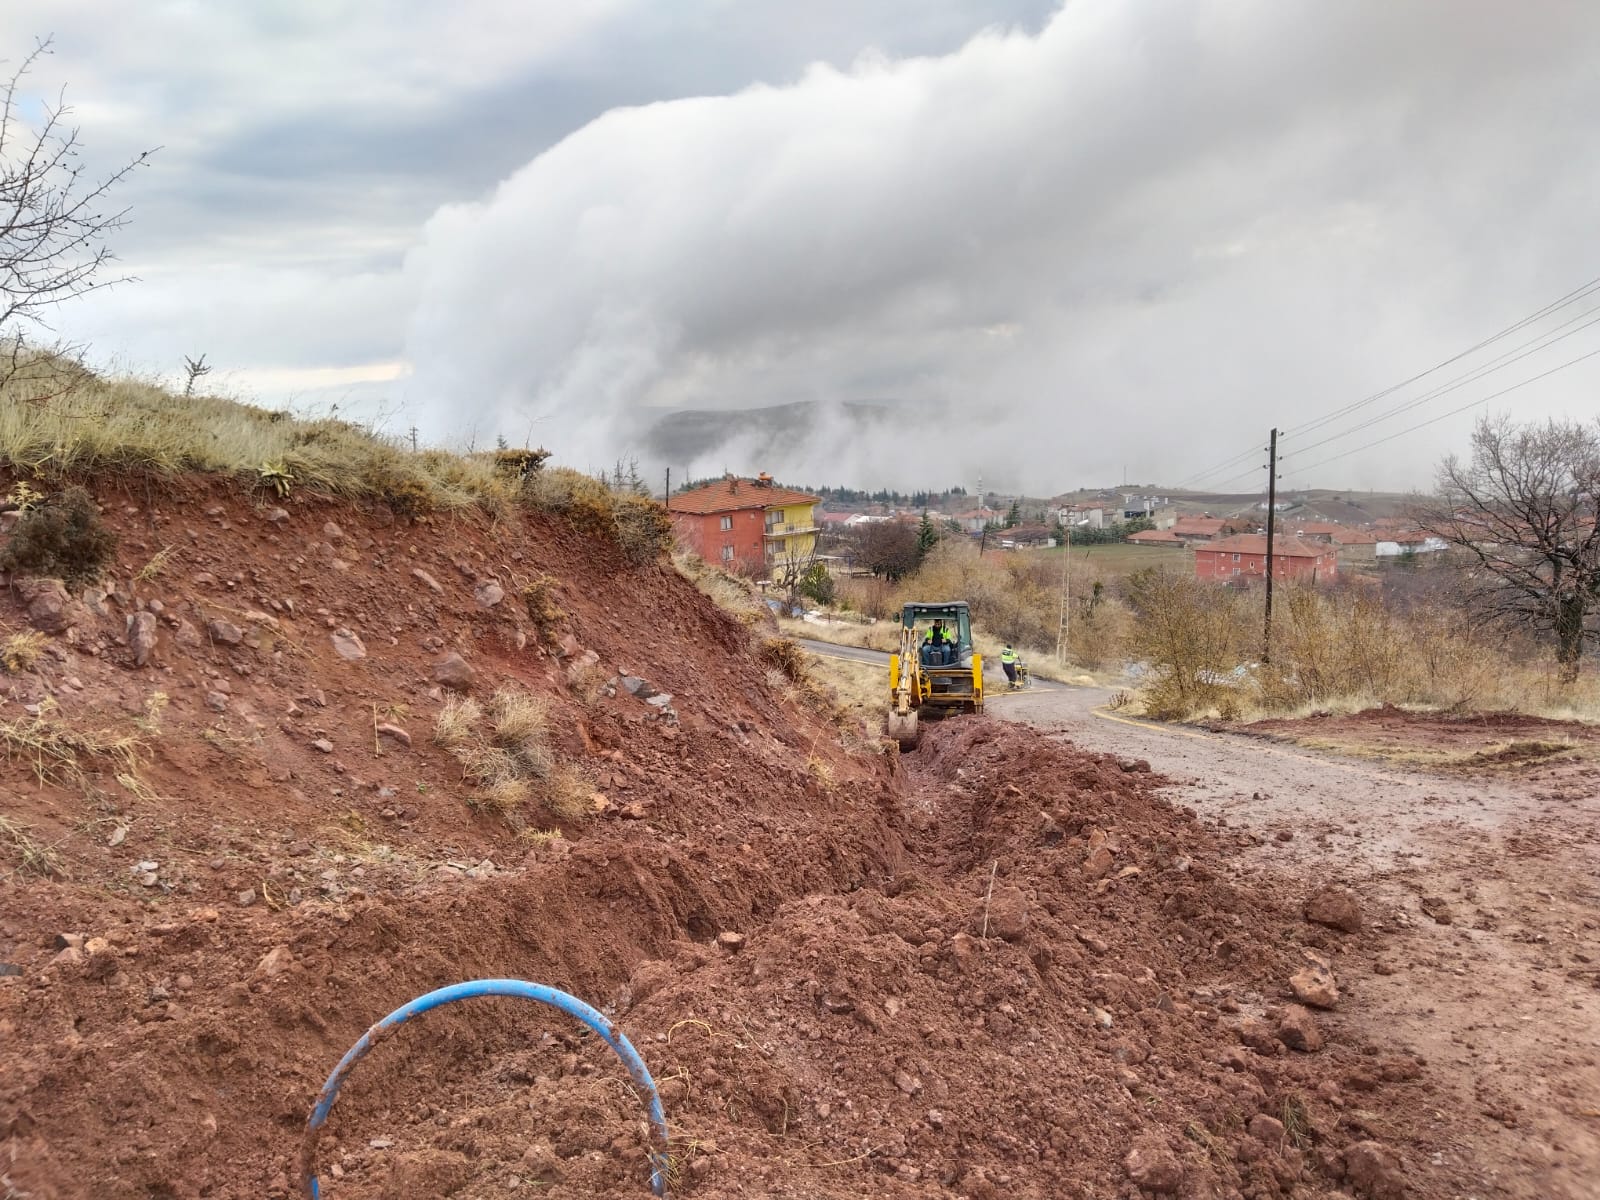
{"type": "Point", "coordinates": [999, 967]}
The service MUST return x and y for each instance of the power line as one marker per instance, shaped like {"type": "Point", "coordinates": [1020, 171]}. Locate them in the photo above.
{"type": "Point", "coordinates": [1546, 340]}
{"type": "Point", "coordinates": [1571, 297]}
{"type": "Point", "coordinates": [1452, 413]}
{"type": "Point", "coordinates": [1221, 466]}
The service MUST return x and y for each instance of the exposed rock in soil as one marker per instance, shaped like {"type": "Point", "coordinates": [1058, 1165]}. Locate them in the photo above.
{"type": "Point", "coordinates": [1334, 907]}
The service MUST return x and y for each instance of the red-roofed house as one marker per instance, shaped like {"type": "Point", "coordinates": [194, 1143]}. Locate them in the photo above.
{"type": "Point", "coordinates": [1243, 557]}
{"type": "Point", "coordinates": [1200, 529]}
{"type": "Point", "coordinates": [1155, 537]}
{"type": "Point", "coordinates": [751, 525]}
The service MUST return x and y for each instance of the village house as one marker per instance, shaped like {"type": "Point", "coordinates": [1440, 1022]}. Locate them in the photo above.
{"type": "Point", "coordinates": [1083, 516]}
{"type": "Point", "coordinates": [749, 525]}
{"type": "Point", "coordinates": [1201, 529]}
{"type": "Point", "coordinates": [1243, 557]}
{"type": "Point", "coordinates": [1155, 537]}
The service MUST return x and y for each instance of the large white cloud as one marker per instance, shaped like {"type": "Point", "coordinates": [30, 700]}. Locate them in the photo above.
{"type": "Point", "coordinates": [1138, 237]}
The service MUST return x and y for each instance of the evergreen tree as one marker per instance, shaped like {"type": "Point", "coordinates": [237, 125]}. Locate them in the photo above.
{"type": "Point", "coordinates": [927, 535]}
{"type": "Point", "coordinates": [1014, 515]}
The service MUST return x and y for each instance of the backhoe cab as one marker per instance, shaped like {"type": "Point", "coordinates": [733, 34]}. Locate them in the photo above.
{"type": "Point", "coordinates": [934, 669]}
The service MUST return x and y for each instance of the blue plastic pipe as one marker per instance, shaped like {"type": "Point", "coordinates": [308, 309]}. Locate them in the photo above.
{"type": "Point", "coordinates": [570, 1005]}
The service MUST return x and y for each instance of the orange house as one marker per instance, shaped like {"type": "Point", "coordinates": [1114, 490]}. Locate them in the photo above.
{"type": "Point", "coordinates": [1241, 558]}
{"type": "Point", "coordinates": [748, 525]}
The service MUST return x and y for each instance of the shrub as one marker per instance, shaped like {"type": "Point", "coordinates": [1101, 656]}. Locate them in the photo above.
{"type": "Point", "coordinates": [62, 538]}
{"type": "Point", "coordinates": [644, 529]}
{"type": "Point", "coordinates": [817, 584]}
{"type": "Point", "coordinates": [785, 656]}
{"type": "Point", "coordinates": [538, 597]}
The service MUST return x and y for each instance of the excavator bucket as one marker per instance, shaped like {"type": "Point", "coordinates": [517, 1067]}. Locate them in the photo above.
{"type": "Point", "coordinates": [903, 728]}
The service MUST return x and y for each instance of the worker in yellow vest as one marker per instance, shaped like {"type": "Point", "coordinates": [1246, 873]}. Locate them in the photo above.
{"type": "Point", "coordinates": [1008, 663]}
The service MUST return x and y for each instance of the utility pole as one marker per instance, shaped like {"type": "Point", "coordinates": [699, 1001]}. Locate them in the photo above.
{"type": "Point", "coordinates": [413, 439]}
{"type": "Point", "coordinates": [1062, 627]}
{"type": "Point", "coordinates": [1272, 521]}
{"type": "Point", "coordinates": [667, 499]}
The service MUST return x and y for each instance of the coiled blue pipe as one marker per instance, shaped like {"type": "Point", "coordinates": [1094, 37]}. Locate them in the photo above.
{"type": "Point", "coordinates": [570, 1005]}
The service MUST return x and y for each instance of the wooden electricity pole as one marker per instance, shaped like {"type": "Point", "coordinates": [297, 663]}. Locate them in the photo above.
{"type": "Point", "coordinates": [1061, 627]}
{"type": "Point", "coordinates": [1272, 521]}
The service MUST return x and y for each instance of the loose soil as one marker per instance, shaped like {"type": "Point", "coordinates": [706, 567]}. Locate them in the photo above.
{"type": "Point", "coordinates": [1005, 965]}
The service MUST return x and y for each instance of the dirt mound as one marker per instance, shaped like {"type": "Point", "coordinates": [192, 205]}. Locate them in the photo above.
{"type": "Point", "coordinates": [997, 967]}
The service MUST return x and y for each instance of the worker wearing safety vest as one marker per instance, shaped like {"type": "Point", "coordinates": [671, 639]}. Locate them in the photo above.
{"type": "Point", "coordinates": [1008, 663]}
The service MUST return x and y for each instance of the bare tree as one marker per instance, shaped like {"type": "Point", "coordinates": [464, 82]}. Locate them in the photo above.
{"type": "Point", "coordinates": [1522, 511]}
{"type": "Point", "coordinates": [193, 369]}
{"type": "Point", "coordinates": [54, 219]}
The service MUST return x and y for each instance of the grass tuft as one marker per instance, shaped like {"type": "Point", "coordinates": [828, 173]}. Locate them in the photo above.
{"type": "Point", "coordinates": [20, 652]}
{"type": "Point", "coordinates": [58, 754]}
{"type": "Point", "coordinates": [505, 755]}
{"type": "Point", "coordinates": [32, 856]}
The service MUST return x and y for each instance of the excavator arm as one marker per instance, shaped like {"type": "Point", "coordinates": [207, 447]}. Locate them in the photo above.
{"type": "Point", "coordinates": [905, 678]}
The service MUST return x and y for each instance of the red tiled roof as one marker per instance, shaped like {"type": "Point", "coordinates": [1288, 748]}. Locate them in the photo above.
{"type": "Point", "coordinates": [1153, 537]}
{"type": "Point", "coordinates": [731, 495]}
{"type": "Point", "coordinates": [1200, 525]}
{"type": "Point", "coordinates": [1321, 528]}
{"type": "Point", "coordinates": [1256, 543]}
{"type": "Point", "coordinates": [1354, 537]}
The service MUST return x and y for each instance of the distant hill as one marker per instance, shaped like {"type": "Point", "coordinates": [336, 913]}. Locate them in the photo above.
{"type": "Point", "coordinates": [685, 435]}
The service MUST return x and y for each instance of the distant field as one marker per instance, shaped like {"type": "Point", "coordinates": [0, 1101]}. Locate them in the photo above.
{"type": "Point", "coordinates": [1124, 558]}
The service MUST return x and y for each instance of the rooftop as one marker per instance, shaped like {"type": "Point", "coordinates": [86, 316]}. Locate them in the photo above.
{"type": "Point", "coordinates": [1256, 543]}
{"type": "Point", "coordinates": [733, 494]}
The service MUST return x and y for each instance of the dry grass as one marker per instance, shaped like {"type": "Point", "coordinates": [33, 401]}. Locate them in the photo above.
{"type": "Point", "coordinates": [538, 597]}
{"type": "Point", "coordinates": [505, 755]}
{"type": "Point", "coordinates": [859, 689]}
{"type": "Point", "coordinates": [785, 655]}
{"type": "Point", "coordinates": [157, 564]}
{"type": "Point", "coordinates": [58, 754]}
{"type": "Point", "coordinates": [1334, 650]}
{"type": "Point", "coordinates": [20, 652]}
{"type": "Point", "coordinates": [31, 855]}
{"type": "Point", "coordinates": [732, 593]}
{"type": "Point", "coordinates": [104, 424]}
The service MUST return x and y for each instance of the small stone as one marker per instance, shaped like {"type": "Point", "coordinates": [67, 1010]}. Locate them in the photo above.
{"type": "Point", "coordinates": [488, 593]}
{"type": "Point", "coordinates": [275, 962]}
{"type": "Point", "coordinates": [1436, 908]}
{"type": "Point", "coordinates": [224, 631]}
{"type": "Point", "coordinates": [1335, 908]}
{"type": "Point", "coordinates": [1100, 861]}
{"type": "Point", "coordinates": [659, 700]}
{"type": "Point", "coordinates": [246, 898]}
{"type": "Point", "coordinates": [635, 686]}
{"type": "Point", "coordinates": [277, 516]}
{"type": "Point", "coordinates": [1266, 1130]}
{"type": "Point", "coordinates": [427, 581]}
{"type": "Point", "coordinates": [1374, 1171]}
{"type": "Point", "coordinates": [907, 1083]}
{"type": "Point", "coordinates": [323, 744]}
{"type": "Point", "coordinates": [1258, 1035]}
{"type": "Point", "coordinates": [142, 637]}
{"type": "Point", "coordinates": [332, 532]}
{"type": "Point", "coordinates": [1008, 914]}
{"type": "Point", "coordinates": [1297, 1029]}
{"type": "Point", "coordinates": [348, 646]}
{"type": "Point", "coordinates": [118, 836]}
{"type": "Point", "coordinates": [731, 941]}
{"type": "Point", "coordinates": [149, 879]}
{"type": "Point", "coordinates": [1152, 1165]}
{"type": "Point", "coordinates": [454, 672]}
{"type": "Point", "coordinates": [216, 702]}
{"type": "Point", "coordinates": [395, 733]}
{"type": "Point", "coordinates": [1102, 1018]}
{"type": "Point", "coordinates": [381, 1143]}
{"type": "Point", "coordinates": [1314, 983]}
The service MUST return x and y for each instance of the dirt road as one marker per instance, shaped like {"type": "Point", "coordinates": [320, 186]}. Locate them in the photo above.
{"type": "Point", "coordinates": [1481, 895]}
{"type": "Point", "coordinates": [1486, 897]}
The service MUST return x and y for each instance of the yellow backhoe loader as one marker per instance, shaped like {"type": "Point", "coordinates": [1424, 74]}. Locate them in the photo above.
{"type": "Point", "coordinates": [935, 668]}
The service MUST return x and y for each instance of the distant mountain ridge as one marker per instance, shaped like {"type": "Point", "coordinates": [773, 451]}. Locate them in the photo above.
{"type": "Point", "coordinates": [685, 435]}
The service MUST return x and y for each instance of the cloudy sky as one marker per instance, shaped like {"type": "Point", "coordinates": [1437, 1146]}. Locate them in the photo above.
{"type": "Point", "coordinates": [1068, 242]}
